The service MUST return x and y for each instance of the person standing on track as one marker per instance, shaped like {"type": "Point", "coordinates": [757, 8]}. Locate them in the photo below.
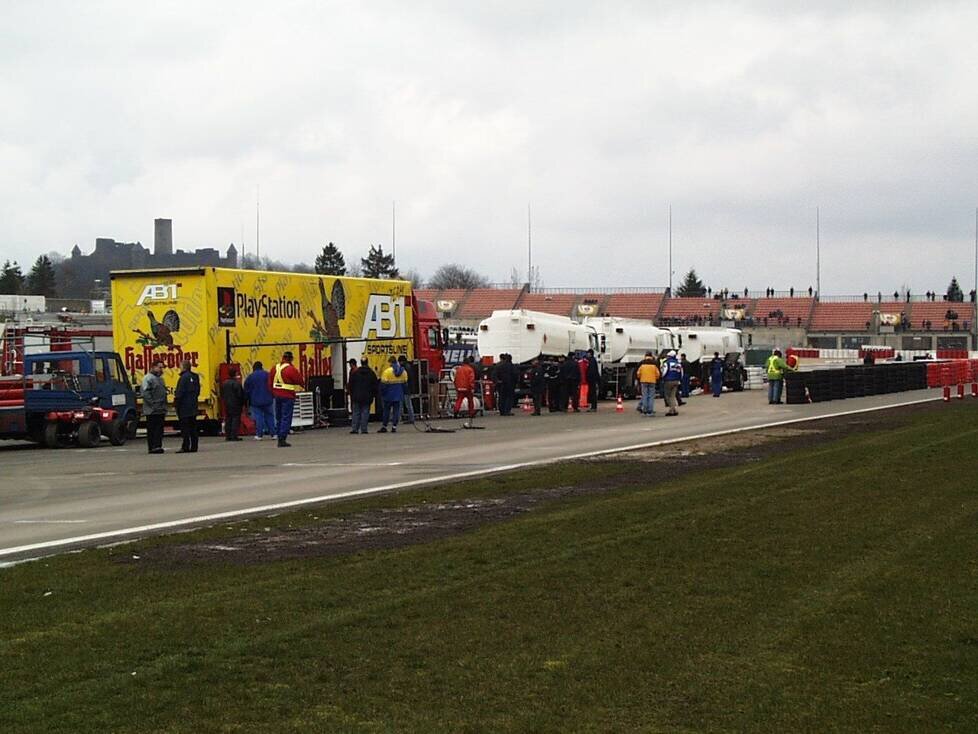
{"type": "Point", "coordinates": [593, 376]}
{"type": "Point", "coordinates": [776, 367]}
{"type": "Point", "coordinates": [717, 365]}
{"type": "Point", "coordinates": [363, 387]}
{"type": "Point", "coordinates": [687, 375]}
{"type": "Point", "coordinates": [260, 400]}
{"type": "Point", "coordinates": [672, 375]}
{"type": "Point", "coordinates": [506, 376]}
{"type": "Point", "coordinates": [153, 393]}
{"type": "Point", "coordinates": [285, 381]}
{"type": "Point", "coordinates": [647, 375]}
{"type": "Point", "coordinates": [232, 395]}
{"type": "Point", "coordinates": [410, 388]}
{"type": "Point", "coordinates": [392, 381]}
{"type": "Point", "coordinates": [538, 385]}
{"type": "Point", "coordinates": [465, 385]}
{"type": "Point", "coordinates": [570, 376]}
{"type": "Point", "coordinates": [185, 402]}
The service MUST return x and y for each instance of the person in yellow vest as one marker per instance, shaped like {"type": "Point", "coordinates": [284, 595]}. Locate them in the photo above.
{"type": "Point", "coordinates": [392, 383]}
{"type": "Point", "coordinates": [285, 381]}
{"type": "Point", "coordinates": [776, 367]}
{"type": "Point", "coordinates": [647, 375]}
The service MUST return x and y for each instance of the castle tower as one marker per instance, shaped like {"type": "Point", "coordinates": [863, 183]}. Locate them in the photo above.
{"type": "Point", "coordinates": [163, 237]}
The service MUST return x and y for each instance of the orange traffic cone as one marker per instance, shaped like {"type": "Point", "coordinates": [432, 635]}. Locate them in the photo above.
{"type": "Point", "coordinates": [619, 406]}
{"type": "Point", "coordinates": [527, 406]}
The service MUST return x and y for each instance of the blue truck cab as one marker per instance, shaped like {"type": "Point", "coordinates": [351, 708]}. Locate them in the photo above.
{"type": "Point", "coordinates": [69, 396]}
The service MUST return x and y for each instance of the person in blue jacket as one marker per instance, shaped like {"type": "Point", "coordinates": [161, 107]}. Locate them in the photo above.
{"type": "Point", "coordinates": [717, 365]}
{"type": "Point", "coordinates": [260, 401]}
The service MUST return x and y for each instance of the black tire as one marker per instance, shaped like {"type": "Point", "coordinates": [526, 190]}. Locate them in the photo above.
{"type": "Point", "coordinates": [117, 432]}
{"type": "Point", "coordinates": [89, 434]}
{"type": "Point", "coordinates": [53, 438]}
{"type": "Point", "coordinates": [131, 425]}
{"type": "Point", "coordinates": [209, 427]}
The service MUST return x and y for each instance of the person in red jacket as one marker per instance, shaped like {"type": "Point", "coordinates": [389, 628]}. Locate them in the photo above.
{"type": "Point", "coordinates": [285, 381]}
{"type": "Point", "coordinates": [465, 385]}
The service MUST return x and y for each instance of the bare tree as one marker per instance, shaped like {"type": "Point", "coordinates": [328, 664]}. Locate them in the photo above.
{"type": "Point", "coordinates": [457, 276]}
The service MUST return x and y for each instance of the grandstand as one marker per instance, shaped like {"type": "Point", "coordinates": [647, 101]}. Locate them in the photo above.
{"type": "Point", "coordinates": [851, 315]}
{"type": "Point", "coordinates": [931, 315]}
{"type": "Point", "coordinates": [775, 318]}
{"type": "Point", "coordinates": [790, 311]}
{"type": "Point", "coordinates": [560, 304]}
{"type": "Point", "coordinates": [633, 305]}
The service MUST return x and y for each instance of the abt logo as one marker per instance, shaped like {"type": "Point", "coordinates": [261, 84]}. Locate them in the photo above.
{"type": "Point", "coordinates": [385, 317]}
{"type": "Point", "coordinates": [161, 292]}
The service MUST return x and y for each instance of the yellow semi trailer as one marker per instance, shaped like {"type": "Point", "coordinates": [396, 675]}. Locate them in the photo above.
{"type": "Point", "coordinates": [215, 317]}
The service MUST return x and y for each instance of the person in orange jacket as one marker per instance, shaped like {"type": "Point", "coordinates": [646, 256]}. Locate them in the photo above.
{"type": "Point", "coordinates": [465, 385]}
{"type": "Point", "coordinates": [285, 381]}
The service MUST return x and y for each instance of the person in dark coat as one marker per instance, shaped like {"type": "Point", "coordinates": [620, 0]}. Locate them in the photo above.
{"type": "Point", "coordinates": [185, 399]}
{"type": "Point", "coordinates": [363, 389]}
{"type": "Point", "coordinates": [570, 378]}
{"type": "Point", "coordinates": [538, 385]}
{"type": "Point", "coordinates": [506, 376]}
{"type": "Point", "coordinates": [407, 407]}
{"type": "Point", "coordinates": [687, 376]}
{"type": "Point", "coordinates": [593, 380]}
{"type": "Point", "coordinates": [717, 366]}
{"type": "Point", "coordinates": [551, 373]}
{"type": "Point", "coordinates": [232, 395]}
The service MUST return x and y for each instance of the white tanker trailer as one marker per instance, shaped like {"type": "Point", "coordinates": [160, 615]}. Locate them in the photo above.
{"type": "Point", "coordinates": [529, 335]}
{"type": "Point", "coordinates": [623, 344]}
{"type": "Point", "coordinates": [699, 345]}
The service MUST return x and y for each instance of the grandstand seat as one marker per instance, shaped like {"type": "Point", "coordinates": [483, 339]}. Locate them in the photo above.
{"type": "Point", "coordinates": [686, 310]}
{"type": "Point", "coordinates": [560, 304]}
{"type": "Point", "coordinates": [935, 313]}
{"type": "Point", "coordinates": [850, 315]}
{"type": "Point", "coordinates": [633, 305]}
{"type": "Point", "coordinates": [791, 309]}
{"type": "Point", "coordinates": [481, 302]}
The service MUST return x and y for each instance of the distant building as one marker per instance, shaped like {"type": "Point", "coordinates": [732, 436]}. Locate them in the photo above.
{"type": "Point", "coordinates": [79, 273]}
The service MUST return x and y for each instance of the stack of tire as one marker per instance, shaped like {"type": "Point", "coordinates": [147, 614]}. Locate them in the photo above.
{"type": "Point", "coordinates": [795, 385]}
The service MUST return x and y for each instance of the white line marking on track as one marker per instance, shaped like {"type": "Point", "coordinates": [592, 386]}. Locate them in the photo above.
{"type": "Point", "coordinates": [259, 509]}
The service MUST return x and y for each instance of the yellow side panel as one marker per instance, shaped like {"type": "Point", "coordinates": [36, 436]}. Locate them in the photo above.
{"type": "Point", "coordinates": [266, 313]}
{"type": "Point", "coordinates": [163, 316]}
{"type": "Point", "coordinates": [321, 319]}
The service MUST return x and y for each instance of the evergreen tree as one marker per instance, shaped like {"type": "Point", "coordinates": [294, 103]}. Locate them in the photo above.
{"type": "Point", "coordinates": [41, 281]}
{"type": "Point", "coordinates": [11, 279]}
{"type": "Point", "coordinates": [692, 286]}
{"type": "Point", "coordinates": [954, 292]}
{"type": "Point", "coordinates": [378, 265]}
{"type": "Point", "coordinates": [330, 261]}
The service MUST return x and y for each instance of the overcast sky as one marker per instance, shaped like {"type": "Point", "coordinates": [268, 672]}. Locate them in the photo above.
{"type": "Point", "coordinates": [743, 116]}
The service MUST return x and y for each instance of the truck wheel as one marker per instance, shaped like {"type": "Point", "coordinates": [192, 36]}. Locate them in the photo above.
{"type": "Point", "coordinates": [117, 432]}
{"type": "Point", "coordinates": [53, 438]}
{"type": "Point", "coordinates": [89, 434]}
{"type": "Point", "coordinates": [131, 425]}
{"type": "Point", "coordinates": [210, 427]}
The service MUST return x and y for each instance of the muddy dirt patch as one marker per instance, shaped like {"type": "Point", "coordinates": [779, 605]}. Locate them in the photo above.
{"type": "Point", "coordinates": [397, 527]}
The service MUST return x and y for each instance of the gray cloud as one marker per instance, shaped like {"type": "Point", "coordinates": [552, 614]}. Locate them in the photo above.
{"type": "Point", "coordinates": [743, 116]}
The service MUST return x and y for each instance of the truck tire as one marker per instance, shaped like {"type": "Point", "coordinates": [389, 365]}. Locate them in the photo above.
{"type": "Point", "coordinates": [117, 432]}
{"type": "Point", "coordinates": [89, 434]}
{"type": "Point", "coordinates": [131, 425]}
{"type": "Point", "coordinates": [53, 438]}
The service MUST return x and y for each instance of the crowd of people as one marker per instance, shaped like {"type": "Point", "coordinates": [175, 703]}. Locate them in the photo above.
{"type": "Point", "coordinates": [566, 384]}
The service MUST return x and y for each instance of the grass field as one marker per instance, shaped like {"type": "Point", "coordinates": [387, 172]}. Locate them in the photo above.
{"type": "Point", "coordinates": [828, 587]}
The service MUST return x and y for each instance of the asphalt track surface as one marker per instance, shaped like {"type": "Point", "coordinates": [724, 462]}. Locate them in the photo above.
{"type": "Point", "coordinates": [56, 500]}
